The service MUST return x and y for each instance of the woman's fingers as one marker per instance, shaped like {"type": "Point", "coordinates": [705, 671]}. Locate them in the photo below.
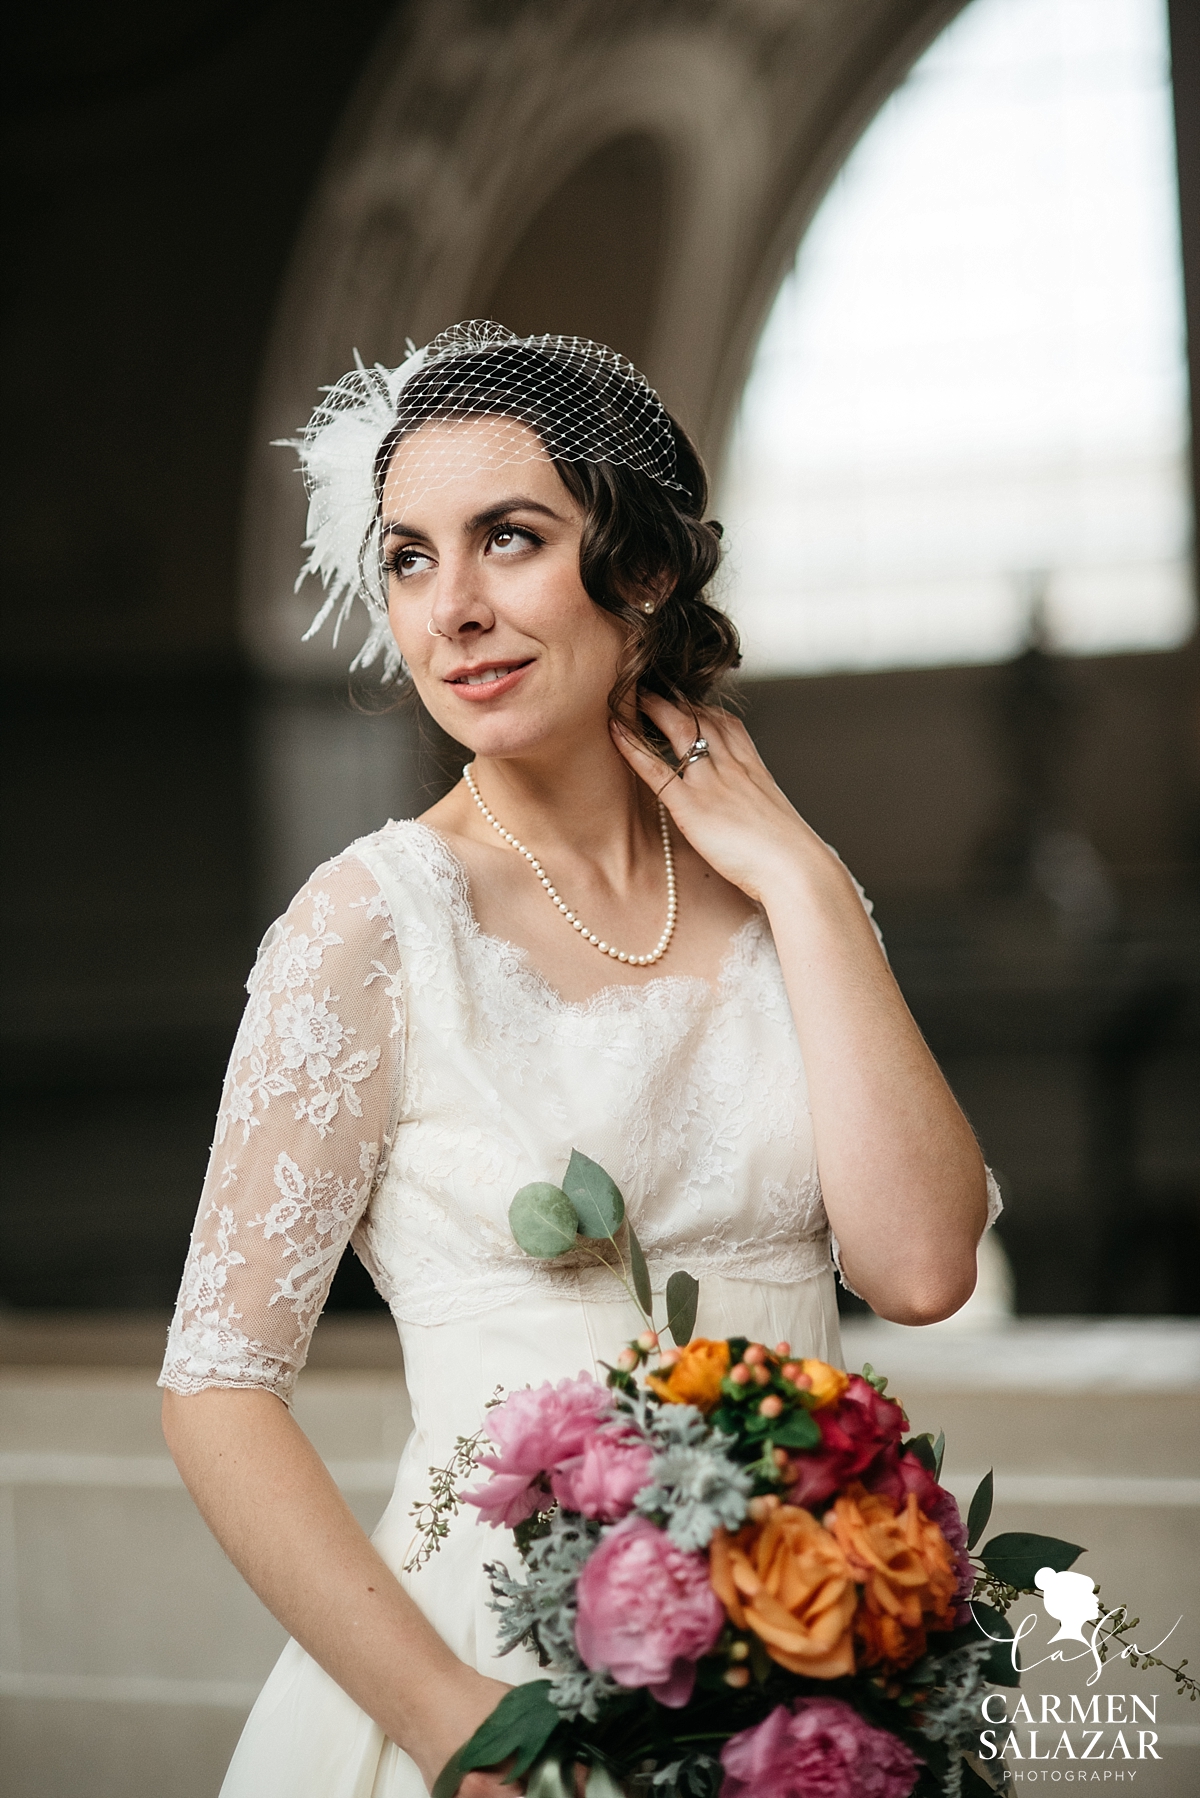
{"type": "Point", "coordinates": [677, 726]}
{"type": "Point", "coordinates": [651, 768]}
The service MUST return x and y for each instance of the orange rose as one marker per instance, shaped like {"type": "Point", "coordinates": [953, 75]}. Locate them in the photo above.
{"type": "Point", "coordinates": [696, 1377]}
{"type": "Point", "coordinates": [788, 1581]}
{"type": "Point", "coordinates": [826, 1384]}
{"type": "Point", "coordinates": [906, 1570]}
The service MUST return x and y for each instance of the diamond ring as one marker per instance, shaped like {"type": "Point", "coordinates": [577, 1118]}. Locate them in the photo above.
{"type": "Point", "coordinates": [696, 753]}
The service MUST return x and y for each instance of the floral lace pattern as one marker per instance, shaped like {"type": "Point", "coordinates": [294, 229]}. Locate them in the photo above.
{"type": "Point", "coordinates": [300, 1141]}
{"type": "Point", "coordinates": [398, 1075]}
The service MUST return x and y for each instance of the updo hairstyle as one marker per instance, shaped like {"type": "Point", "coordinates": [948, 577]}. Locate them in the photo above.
{"type": "Point", "coordinates": [642, 539]}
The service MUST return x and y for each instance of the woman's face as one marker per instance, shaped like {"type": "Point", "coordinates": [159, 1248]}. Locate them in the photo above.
{"type": "Point", "coordinates": [524, 660]}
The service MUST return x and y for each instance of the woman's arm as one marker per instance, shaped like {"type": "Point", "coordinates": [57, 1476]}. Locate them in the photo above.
{"type": "Point", "coordinates": [310, 1103]}
{"type": "Point", "coordinates": [902, 1176]}
{"type": "Point", "coordinates": [270, 1502]}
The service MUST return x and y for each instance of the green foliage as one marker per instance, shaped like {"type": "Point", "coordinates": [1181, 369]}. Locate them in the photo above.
{"type": "Point", "coordinates": [922, 1447]}
{"type": "Point", "coordinates": [1016, 1557]}
{"type": "Point", "coordinates": [683, 1296]}
{"type": "Point", "coordinates": [543, 1220]}
{"type": "Point", "coordinates": [981, 1509]}
{"type": "Point", "coordinates": [532, 1529]}
{"type": "Point", "coordinates": [939, 1453]}
{"type": "Point", "coordinates": [434, 1516]}
{"type": "Point", "coordinates": [795, 1429]}
{"type": "Point", "coordinates": [641, 1274]}
{"type": "Point", "coordinates": [598, 1204]}
{"type": "Point", "coordinates": [521, 1724]}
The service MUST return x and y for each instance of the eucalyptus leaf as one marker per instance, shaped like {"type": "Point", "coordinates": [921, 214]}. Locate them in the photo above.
{"type": "Point", "coordinates": [1017, 1557]}
{"type": "Point", "coordinates": [981, 1509]}
{"type": "Point", "coordinates": [939, 1452]}
{"type": "Point", "coordinates": [543, 1220]}
{"type": "Point", "coordinates": [683, 1295]}
{"type": "Point", "coordinates": [594, 1194]}
{"type": "Point", "coordinates": [641, 1274]}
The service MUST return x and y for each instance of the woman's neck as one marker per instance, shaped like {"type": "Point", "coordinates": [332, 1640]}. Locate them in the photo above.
{"type": "Point", "coordinates": [589, 802]}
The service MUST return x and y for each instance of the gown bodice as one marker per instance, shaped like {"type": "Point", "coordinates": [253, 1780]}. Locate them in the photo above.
{"type": "Point", "coordinates": [399, 1074]}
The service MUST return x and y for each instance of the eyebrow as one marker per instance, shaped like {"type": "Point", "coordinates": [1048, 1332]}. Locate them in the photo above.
{"type": "Point", "coordinates": [396, 527]}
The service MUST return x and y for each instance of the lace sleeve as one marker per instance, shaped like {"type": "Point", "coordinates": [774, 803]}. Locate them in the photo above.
{"type": "Point", "coordinates": [302, 1134]}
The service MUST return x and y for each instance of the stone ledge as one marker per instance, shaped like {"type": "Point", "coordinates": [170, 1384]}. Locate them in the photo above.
{"type": "Point", "coordinates": [350, 1340]}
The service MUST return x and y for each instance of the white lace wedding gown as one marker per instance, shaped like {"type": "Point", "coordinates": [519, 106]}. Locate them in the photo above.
{"type": "Point", "coordinates": [397, 1076]}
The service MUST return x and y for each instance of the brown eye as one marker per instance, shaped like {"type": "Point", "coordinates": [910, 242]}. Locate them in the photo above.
{"type": "Point", "coordinates": [510, 538]}
{"type": "Point", "coordinates": [409, 561]}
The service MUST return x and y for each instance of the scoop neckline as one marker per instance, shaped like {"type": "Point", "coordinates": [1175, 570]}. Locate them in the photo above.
{"type": "Point", "coordinates": [614, 993]}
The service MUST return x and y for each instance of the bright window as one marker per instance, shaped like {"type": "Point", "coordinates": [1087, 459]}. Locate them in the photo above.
{"type": "Point", "coordinates": [969, 403]}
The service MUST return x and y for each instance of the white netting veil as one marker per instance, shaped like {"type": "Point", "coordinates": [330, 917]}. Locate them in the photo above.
{"type": "Point", "coordinates": [541, 398]}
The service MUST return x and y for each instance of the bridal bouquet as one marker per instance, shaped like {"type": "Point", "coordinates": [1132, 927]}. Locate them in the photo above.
{"type": "Point", "coordinates": [737, 1566]}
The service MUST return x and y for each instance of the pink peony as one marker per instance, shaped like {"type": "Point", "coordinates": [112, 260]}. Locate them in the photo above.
{"type": "Point", "coordinates": [536, 1429]}
{"type": "Point", "coordinates": [605, 1479]}
{"type": "Point", "coordinates": [853, 1431]}
{"type": "Point", "coordinates": [820, 1748]}
{"type": "Point", "coordinates": [647, 1611]}
{"type": "Point", "coordinates": [895, 1476]}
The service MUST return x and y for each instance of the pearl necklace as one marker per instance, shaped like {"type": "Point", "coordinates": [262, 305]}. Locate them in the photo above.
{"type": "Point", "coordinates": [589, 936]}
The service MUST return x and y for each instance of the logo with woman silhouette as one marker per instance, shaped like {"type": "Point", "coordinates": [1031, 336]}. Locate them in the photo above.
{"type": "Point", "coordinates": [1070, 1599]}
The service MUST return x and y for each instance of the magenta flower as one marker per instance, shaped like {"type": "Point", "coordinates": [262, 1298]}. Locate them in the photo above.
{"type": "Point", "coordinates": [605, 1479]}
{"type": "Point", "coordinates": [820, 1748]}
{"type": "Point", "coordinates": [861, 1425]}
{"type": "Point", "coordinates": [647, 1611]}
{"type": "Point", "coordinates": [535, 1430]}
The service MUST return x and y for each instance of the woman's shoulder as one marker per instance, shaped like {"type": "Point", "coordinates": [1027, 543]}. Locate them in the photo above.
{"type": "Point", "coordinates": [416, 875]}
{"type": "Point", "coordinates": [393, 897]}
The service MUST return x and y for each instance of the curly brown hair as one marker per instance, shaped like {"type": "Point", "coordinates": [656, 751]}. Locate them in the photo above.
{"type": "Point", "coordinates": [641, 539]}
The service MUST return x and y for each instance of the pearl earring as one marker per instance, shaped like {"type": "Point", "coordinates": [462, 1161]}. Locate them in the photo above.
{"type": "Point", "coordinates": [647, 605]}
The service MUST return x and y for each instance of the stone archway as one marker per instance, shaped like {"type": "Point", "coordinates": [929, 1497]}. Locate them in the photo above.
{"type": "Point", "coordinates": [638, 171]}
{"type": "Point", "coordinates": [476, 149]}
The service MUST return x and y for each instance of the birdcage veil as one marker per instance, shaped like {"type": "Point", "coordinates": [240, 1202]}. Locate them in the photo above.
{"type": "Point", "coordinates": [546, 398]}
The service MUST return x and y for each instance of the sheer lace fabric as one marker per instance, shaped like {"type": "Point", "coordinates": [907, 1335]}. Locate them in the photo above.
{"type": "Point", "coordinates": [398, 1075]}
{"type": "Point", "coordinates": [305, 1117]}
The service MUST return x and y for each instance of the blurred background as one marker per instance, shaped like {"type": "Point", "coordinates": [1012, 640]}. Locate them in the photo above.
{"type": "Point", "coordinates": [918, 276]}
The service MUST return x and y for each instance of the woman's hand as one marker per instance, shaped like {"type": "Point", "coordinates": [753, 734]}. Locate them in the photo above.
{"type": "Point", "coordinates": [727, 805]}
{"type": "Point", "coordinates": [471, 1698]}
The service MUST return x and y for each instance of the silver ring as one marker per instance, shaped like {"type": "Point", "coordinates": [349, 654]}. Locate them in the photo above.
{"type": "Point", "coordinates": [432, 628]}
{"type": "Point", "coordinates": [696, 753]}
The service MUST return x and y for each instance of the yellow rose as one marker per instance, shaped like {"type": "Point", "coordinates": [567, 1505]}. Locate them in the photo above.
{"type": "Point", "coordinates": [825, 1383]}
{"type": "Point", "coordinates": [696, 1377]}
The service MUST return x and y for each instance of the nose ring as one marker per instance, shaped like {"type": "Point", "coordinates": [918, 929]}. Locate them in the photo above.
{"type": "Point", "coordinates": [432, 628]}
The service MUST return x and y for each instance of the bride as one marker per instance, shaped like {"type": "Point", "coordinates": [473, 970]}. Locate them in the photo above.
{"type": "Point", "coordinates": [615, 934]}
